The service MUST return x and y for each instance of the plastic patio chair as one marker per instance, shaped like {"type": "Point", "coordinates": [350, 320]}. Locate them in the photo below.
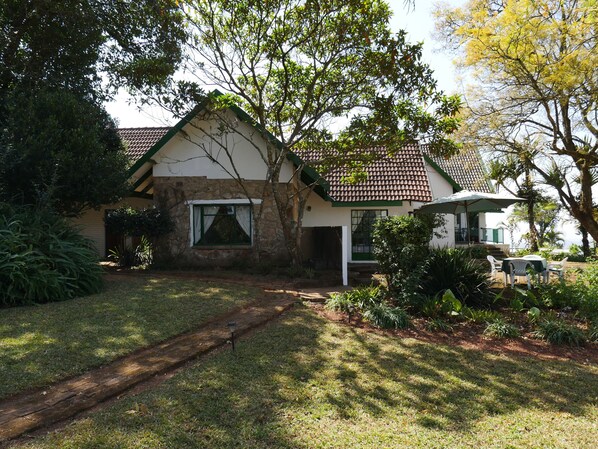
{"type": "Point", "coordinates": [520, 268]}
{"type": "Point", "coordinates": [495, 265]}
{"type": "Point", "coordinates": [558, 268]}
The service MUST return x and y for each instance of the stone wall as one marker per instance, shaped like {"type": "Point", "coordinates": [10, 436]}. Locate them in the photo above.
{"type": "Point", "coordinates": [173, 193]}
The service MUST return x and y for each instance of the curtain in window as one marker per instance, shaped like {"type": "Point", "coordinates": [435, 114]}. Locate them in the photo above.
{"type": "Point", "coordinates": [208, 218]}
{"type": "Point", "coordinates": [243, 214]}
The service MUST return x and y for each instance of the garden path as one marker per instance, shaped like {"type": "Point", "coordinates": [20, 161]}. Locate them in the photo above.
{"type": "Point", "coordinates": [41, 408]}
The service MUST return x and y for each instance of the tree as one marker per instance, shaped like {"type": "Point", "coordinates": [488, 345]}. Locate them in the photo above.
{"type": "Point", "coordinates": [547, 217]}
{"type": "Point", "coordinates": [58, 62]}
{"type": "Point", "coordinates": [536, 65]}
{"type": "Point", "coordinates": [514, 172]}
{"type": "Point", "coordinates": [297, 67]}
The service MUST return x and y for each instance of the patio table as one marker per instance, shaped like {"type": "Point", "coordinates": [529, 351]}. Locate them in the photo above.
{"type": "Point", "coordinates": [539, 264]}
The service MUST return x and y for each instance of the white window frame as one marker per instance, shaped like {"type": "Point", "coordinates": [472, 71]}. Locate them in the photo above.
{"type": "Point", "coordinates": [238, 201]}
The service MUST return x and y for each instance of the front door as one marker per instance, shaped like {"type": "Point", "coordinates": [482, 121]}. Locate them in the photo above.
{"type": "Point", "coordinates": [362, 226]}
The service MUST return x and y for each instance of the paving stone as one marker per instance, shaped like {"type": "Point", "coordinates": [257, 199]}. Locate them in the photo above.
{"type": "Point", "coordinates": [65, 399]}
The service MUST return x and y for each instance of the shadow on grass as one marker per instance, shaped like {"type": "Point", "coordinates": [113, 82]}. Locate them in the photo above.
{"type": "Point", "coordinates": [301, 371]}
{"type": "Point", "coordinates": [41, 344]}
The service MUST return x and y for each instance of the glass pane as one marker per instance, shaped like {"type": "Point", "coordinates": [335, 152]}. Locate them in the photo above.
{"type": "Point", "coordinates": [226, 225]}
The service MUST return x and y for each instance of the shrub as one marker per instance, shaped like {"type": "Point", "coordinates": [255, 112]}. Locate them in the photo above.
{"type": "Point", "coordinates": [477, 251]}
{"type": "Point", "coordinates": [356, 299]}
{"type": "Point", "coordinates": [150, 222]}
{"type": "Point", "coordinates": [441, 305]}
{"type": "Point", "coordinates": [500, 328]}
{"type": "Point", "coordinates": [480, 315]}
{"type": "Point", "coordinates": [439, 325]}
{"type": "Point", "coordinates": [386, 317]}
{"type": "Point", "coordinates": [43, 258]}
{"type": "Point", "coordinates": [559, 332]}
{"type": "Point", "coordinates": [453, 269]}
{"type": "Point", "coordinates": [401, 246]}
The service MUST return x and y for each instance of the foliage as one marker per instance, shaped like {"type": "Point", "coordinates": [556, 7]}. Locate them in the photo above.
{"type": "Point", "coordinates": [371, 303]}
{"type": "Point", "coordinates": [43, 258]}
{"type": "Point", "coordinates": [531, 62]}
{"type": "Point", "coordinates": [546, 213]}
{"type": "Point", "coordinates": [50, 342]}
{"type": "Point", "coordinates": [455, 270]}
{"type": "Point", "coordinates": [557, 331]}
{"type": "Point", "coordinates": [533, 314]}
{"type": "Point", "coordinates": [296, 67]}
{"type": "Point", "coordinates": [401, 245]}
{"type": "Point", "coordinates": [57, 142]}
{"type": "Point", "coordinates": [500, 328]}
{"type": "Point", "coordinates": [151, 221]}
{"type": "Point", "coordinates": [580, 295]}
{"type": "Point", "coordinates": [477, 251]}
{"type": "Point", "coordinates": [441, 304]}
{"type": "Point", "coordinates": [58, 147]}
{"type": "Point", "coordinates": [439, 325]}
{"type": "Point", "coordinates": [385, 316]}
{"type": "Point", "coordinates": [480, 315]}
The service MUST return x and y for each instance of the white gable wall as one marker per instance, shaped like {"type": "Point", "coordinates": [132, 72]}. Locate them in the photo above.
{"type": "Point", "coordinates": [189, 153]}
{"type": "Point", "coordinates": [441, 187]}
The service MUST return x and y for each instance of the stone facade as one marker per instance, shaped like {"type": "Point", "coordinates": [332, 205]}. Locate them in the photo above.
{"type": "Point", "coordinates": [173, 193]}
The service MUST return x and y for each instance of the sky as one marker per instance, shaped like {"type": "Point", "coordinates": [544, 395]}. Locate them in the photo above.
{"type": "Point", "coordinates": [418, 21]}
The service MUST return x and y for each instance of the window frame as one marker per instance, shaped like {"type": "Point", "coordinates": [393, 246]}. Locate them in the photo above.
{"type": "Point", "coordinates": [193, 206]}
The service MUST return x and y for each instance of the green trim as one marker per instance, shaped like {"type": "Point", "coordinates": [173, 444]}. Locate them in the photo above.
{"type": "Point", "coordinates": [308, 174]}
{"type": "Point", "coordinates": [363, 256]}
{"type": "Point", "coordinates": [201, 208]}
{"type": "Point", "coordinates": [444, 174]}
{"type": "Point", "coordinates": [367, 203]}
{"type": "Point", "coordinates": [165, 138]}
{"type": "Point", "coordinates": [142, 179]}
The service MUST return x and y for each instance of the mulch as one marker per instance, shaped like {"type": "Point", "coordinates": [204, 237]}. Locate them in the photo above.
{"type": "Point", "coordinates": [469, 336]}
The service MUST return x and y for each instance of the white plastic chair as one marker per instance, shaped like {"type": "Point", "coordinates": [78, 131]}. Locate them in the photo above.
{"type": "Point", "coordinates": [495, 265]}
{"type": "Point", "coordinates": [558, 268]}
{"type": "Point", "coordinates": [520, 268]}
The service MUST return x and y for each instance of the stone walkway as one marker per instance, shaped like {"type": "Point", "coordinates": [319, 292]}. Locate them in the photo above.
{"type": "Point", "coordinates": [65, 399]}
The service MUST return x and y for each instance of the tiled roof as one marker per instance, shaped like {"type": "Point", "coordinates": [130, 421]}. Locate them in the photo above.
{"type": "Point", "coordinates": [466, 168]}
{"type": "Point", "coordinates": [401, 177]}
{"type": "Point", "coordinates": [139, 140]}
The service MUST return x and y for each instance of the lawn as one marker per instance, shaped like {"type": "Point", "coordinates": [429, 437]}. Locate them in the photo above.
{"type": "Point", "coordinates": [305, 382]}
{"type": "Point", "coordinates": [41, 344]}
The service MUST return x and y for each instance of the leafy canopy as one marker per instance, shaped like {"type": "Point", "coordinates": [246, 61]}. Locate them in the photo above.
{"type": "Point", "coordinates": [316, 75]}
{"type": "Point", "coordinates": [58, 62]}
{"type": "Point", "coordinates": [536, 67]}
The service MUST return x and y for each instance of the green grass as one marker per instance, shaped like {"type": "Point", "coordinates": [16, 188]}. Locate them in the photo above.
{"type": "Point", "coordinates": [303, 382]}
{"type": "Point", "coordinates": [42, 344]}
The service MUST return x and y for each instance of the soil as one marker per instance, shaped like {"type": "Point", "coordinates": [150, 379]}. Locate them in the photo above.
{"type": "Point", "coordinates": [470, 336]}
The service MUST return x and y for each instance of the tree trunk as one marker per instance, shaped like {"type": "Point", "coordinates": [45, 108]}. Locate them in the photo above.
{"type": "Point", "coordinates": [531, 221]}
{"type": "Point", "coordinates": [585, 242]}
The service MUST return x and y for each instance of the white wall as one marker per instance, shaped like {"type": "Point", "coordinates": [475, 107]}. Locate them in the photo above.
{"type": "Point", "coordinates": [189, 153]}
{"type": "Point", "coordinates": [319, 212]}
{"type": "Point", "coordinates": [441, 187]}
{"type": "Point", "coordinates": [91, 223]}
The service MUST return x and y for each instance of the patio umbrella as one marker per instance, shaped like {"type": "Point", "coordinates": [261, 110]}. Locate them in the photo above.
{"type": "Point", "coordinates": [467, 201]}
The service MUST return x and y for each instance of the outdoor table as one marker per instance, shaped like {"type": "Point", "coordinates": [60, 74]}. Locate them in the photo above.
{"type": "Point", "coordinates": [539, 264]}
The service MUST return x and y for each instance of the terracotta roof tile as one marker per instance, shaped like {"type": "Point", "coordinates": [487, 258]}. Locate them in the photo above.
{"type": "Point", "coordinates": [465, 168]}
{"type": "Point", "coordinates": [139, 140]}
{"type": "Point", "coordinates": [401, 177]}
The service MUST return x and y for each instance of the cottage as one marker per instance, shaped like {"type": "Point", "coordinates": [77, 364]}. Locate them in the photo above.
{"type": "Point", "coordinates": [211, 178]}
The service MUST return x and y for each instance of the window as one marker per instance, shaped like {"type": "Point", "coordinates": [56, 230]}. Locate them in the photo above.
{"type": "Point", "coordinates": [362, 225]}
{"type": "Point", "coordinates": [222, 224]}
